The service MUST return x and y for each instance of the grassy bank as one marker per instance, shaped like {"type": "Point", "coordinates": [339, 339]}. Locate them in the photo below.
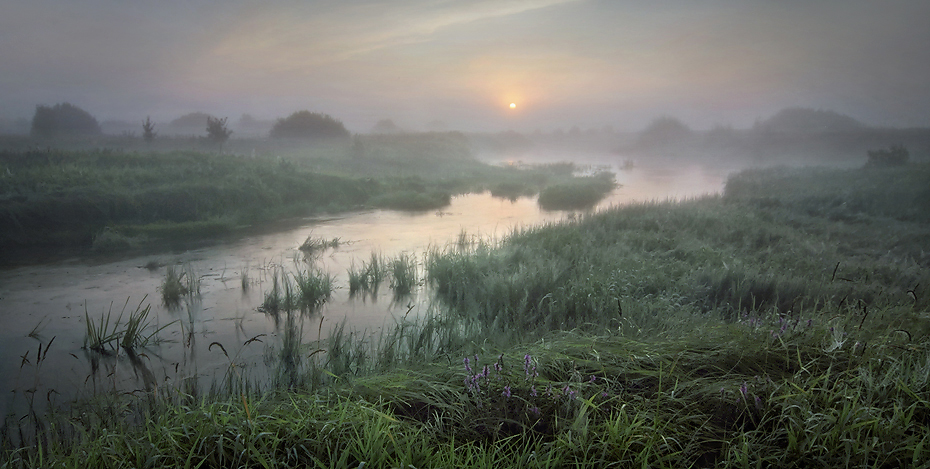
{"type": "Point", "coordinates": [782, 324]}
{"type": "Point", "coordinates": [110, 200]}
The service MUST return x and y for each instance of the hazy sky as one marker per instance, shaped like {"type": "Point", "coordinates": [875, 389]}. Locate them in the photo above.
{"type": "Point", "coordinates": [563, 62]}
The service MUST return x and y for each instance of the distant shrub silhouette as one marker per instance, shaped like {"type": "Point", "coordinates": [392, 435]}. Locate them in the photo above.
{"type": "Point", "coordinates": [148, 130]}
{"type": "Point", "coordinates": [804, 120]}
{"type": "Point", "coordinates": [896, 155]}
{"type": "Point", "coordinates": [63, 119]}
{"type": "Point", "coordinates": [217, 130]}
{"type": "Point", "coordinates": [306, 124]}
{"type": "Point", "coordinates": [664, 131]}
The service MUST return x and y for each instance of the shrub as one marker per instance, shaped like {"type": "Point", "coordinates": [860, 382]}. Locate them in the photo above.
{"type": "Point", "coordinates": [216, 130]}
{"type": "Point", "coordinates": [148, 130]}
{"type": "Point", "coordinates": [896, 155]}
{"type": "Point", "coordinates": [63, 119]}
{"type": "Point", "coordinates": [664, 131]}
{"type": "Point", "coordinates": [306, 124]}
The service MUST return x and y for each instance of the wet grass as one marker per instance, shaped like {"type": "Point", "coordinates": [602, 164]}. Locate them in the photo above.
{"type": "Point", "coordinates": [179, 284]}
{"type": "Point", "coordinates": [302, 290]}
{"type": "Point", "coordinates": [315, 245]}
{"type": "Point", "coordinates": [404, 277]}
{"type": "Point", "coordinates": [368, 277]}
{"type": "Point", "coordinates": [747, 330]}
{"type": "Point", "coordinates": [107, 333]}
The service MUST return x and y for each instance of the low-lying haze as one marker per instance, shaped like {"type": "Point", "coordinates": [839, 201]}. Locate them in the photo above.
{"type": "Point", "coordinates": [563, 62]}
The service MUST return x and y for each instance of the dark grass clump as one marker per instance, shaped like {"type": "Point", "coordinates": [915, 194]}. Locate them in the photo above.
{"type": "Point", "coordinates": [179, 284]}
{"type": "Point", "coordinates": [315, 246]}
{"type": "Point", "coordinates": [369, 277]}
{"type": "Point", "coordinates": [585, 192]}
{"type": "Point", "coordinates": [302, 290]}
{"type": "Point", "coordinates": [404, 277]}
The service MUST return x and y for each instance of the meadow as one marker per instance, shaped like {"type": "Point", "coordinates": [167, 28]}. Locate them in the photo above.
{"type": "Point", "coordinates": [118, 198]}
{"type": "Point", "coordinates": [783, 323]}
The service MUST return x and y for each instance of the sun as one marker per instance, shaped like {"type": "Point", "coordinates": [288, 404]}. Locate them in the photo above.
{"type": "Point", "coordinates": [513, 105]}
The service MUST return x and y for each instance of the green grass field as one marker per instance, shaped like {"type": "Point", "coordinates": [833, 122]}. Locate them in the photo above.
{"type": "Point", "coordinates": [783, 323]}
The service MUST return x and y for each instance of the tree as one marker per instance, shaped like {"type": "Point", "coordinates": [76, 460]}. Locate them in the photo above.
{"type": "Point", "coordinates": [217, 131]}
{"type": "Point", "coordinates": [663, 132]}
{"type": "Point", "coordinates": [306, 124]}
{"type": "Point", "coordinates": [895, 155]}
{"type": "Point", "coordinates": [148, 130]}
{"type": "Point", "coordinates": [63, 119]}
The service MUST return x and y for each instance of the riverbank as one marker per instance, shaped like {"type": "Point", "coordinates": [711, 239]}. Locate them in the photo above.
{"type": "Point", "coordinates": [109, 200]}
{"type": "Point", "coordinates": [784, 323]}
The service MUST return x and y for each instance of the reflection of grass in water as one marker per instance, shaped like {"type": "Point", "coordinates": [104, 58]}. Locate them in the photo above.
{"type": "Point", "coordinates": [245, 279]}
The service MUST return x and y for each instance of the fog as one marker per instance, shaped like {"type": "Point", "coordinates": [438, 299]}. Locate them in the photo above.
{"type": "Point", "coordinates": [436, 65]}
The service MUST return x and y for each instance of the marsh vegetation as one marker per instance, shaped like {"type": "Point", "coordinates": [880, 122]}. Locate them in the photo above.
{"type": "Point", "coordinates": [120, 199]}
{"type": "Point", "coordinates": [782, 323]}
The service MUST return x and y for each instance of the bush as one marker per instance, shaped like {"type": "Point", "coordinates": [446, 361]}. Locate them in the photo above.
{"type": "Point", "coordinates": [306, 124]}
{"type": "Point", "coordinates": [63, 119]}
{"type": "Point", "coordinates": [896, 155]}
{"type": "Point", "coordinates": [217, 131]}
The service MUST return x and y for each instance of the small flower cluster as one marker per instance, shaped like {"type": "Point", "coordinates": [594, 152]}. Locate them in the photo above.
{"type": "Point", "coordinates": [784, 325]}
{"type": "Point", "coordinates": [480, 379]}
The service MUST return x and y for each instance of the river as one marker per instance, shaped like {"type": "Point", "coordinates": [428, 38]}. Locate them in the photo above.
{"type": "Point", "coordinates": [43, 307]}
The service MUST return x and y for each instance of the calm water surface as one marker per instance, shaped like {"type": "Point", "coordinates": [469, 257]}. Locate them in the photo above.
{"type": "Point", "coordinates": [40, 303]}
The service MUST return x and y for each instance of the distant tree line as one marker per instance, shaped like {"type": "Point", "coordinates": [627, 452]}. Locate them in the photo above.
{"type": "Point", "coordinates": [66, 119]}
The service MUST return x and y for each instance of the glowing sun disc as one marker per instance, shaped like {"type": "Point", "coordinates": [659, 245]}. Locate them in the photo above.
{"type": "Point", "coordinates": [513, 105]}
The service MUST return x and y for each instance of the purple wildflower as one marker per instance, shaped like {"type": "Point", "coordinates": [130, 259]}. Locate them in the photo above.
{"type": "Point", "coordinates": [743, 389]}
{"type": "Point", "coordinates": [532, 391]}
{"type": "Point", "coordinates": [467, 367]}
{"type": "Point", "coordinates": [593, 378]}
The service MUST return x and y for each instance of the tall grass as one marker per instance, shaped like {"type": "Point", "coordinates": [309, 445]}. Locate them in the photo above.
{"type": "Point", "coordinates": [404, 277]}
{"type": "Point", "coordinates": [304, 290]}
{"type": "Point", "coordinates": [179, 284]}
{"type": "Point", "coordinates": [369, 276]}
{"type": "Point", "coordinates": [104, 335]}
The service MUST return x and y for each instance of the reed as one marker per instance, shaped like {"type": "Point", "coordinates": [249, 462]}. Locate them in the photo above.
{"type": "Point", "coordinates": [179, 284]}
{"type": "Point", "coordinates": [304, 290]}
{"type": "Point", "coordinates": [404, 277]}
